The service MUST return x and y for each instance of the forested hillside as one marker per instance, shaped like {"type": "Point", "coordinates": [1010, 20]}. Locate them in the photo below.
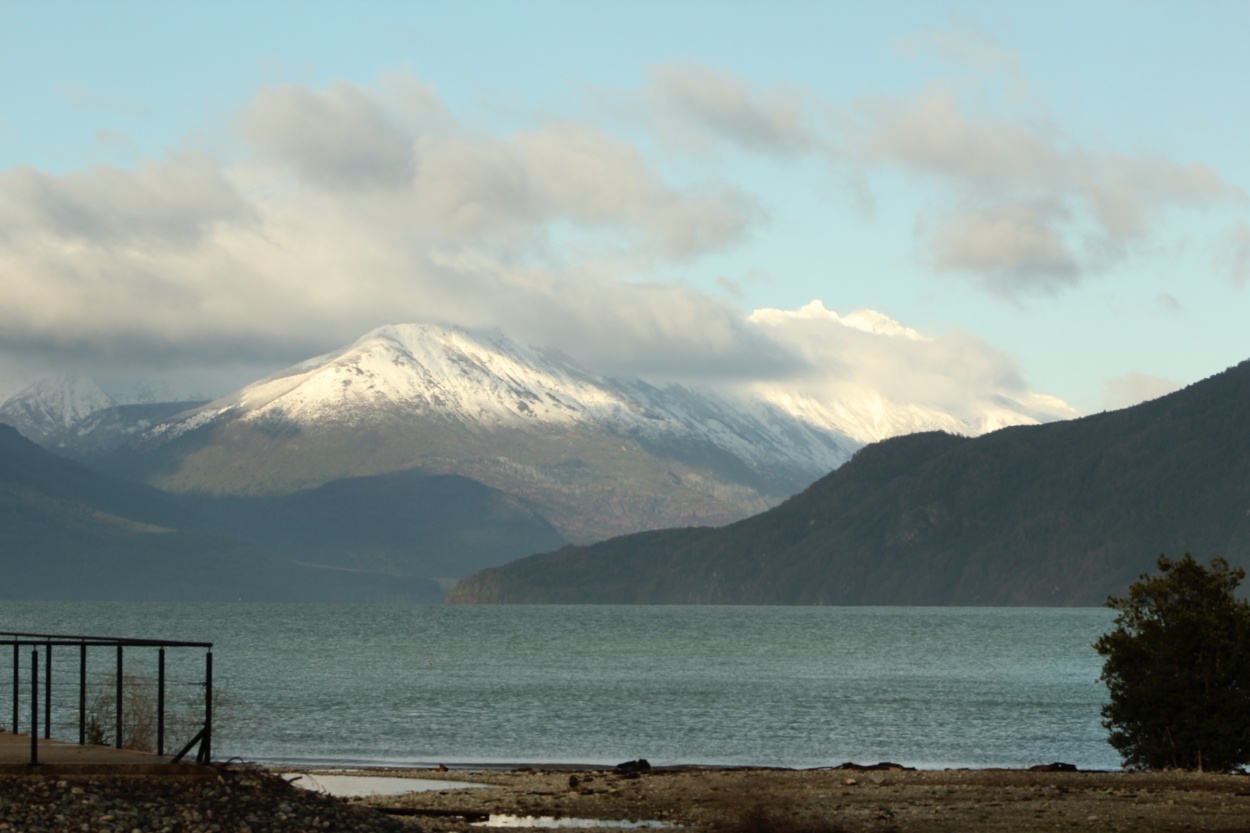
{"type": "Point", "coordinates": [67, 533]}
{"type": "Point", "coordinates": [1056, 514]}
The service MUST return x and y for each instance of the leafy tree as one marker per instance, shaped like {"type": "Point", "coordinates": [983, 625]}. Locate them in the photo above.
{"type": "Point", "coordinates": [1178, 669]}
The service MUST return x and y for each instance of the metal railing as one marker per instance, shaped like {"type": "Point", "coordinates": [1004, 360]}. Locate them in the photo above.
{"type": "Point", "coordinates": [116, 647]}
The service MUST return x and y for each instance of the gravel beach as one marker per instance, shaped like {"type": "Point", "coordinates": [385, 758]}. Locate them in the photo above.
{"type": "Point", "coordinates": [245, 799]}
{"type": "Point", "coordinates": [849, 801]}
{"type": "Point", "coordinates": [220, 799]}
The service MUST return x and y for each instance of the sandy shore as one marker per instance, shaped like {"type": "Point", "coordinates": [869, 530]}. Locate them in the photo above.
{"type": "Point", "coordinates": [841, 801]}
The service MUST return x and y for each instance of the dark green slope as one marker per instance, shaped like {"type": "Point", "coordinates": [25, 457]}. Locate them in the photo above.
{"type": "Point", "coordinates": [68, 533]}
{"type": "Point", "coordinates": [29, 467]}
{"type": "Point", "coordinates": [403, 523]}
{"type": "Point", "coordinates": [610, 572]}
{"type": "Point", "coordinates": [590, 483]}
{"type": "Point", "coordinates": [1059, 514]}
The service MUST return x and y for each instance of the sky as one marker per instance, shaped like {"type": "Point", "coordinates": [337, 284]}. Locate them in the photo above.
{"type": "Point", "coordinates": [1029, 197]}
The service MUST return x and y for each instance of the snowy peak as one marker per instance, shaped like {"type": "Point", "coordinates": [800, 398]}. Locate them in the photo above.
{"type": "Point", "coordinates": [595, 455]}
{"type": "Point", "coordinates": [484, 380]}
{"type": "Point", "coordinates": [48, 408]}
{"type": "Point", "coordinates": [444, 371]}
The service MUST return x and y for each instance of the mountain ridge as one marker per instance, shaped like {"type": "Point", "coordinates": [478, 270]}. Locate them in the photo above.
{"type": "Point", "coordinates": [483, 449]}
{"type": "Point", "coordinates": [45, 410]}
{"type": "Point", "coordinates": [69, 533]}
{"type": "Point", "coordinates": [596, 455]}
{"type": "Point", "coordinates": [1058, 514]}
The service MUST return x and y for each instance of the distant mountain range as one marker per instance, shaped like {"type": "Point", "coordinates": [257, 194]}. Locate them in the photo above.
{"type": "Point", "coordinates": [430, 452]}
{"type": "Point", "coordinates": [1058, 514]}
{"type": "Point", "coordinates": [47, 410]}
{"type": "Point", "coordinates": [68, 414]}
{"type": "Point", "coordinates": [68, 533]}
{"type": "Point", "coordinates": [595, 456]}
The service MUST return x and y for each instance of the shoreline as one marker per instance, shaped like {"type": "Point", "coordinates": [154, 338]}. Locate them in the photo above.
{"type": "Point", "coordinates": [373, 769]}
{"type": "Point", "coordinates": [829, 800]}
{"type": "Point", "coordinates": [452, 764]}
{"type": "Point", "coordinates": [250, 797]}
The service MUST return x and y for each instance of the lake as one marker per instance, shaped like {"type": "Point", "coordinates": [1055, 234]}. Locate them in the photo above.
{"type": "Point", "coordinates": [764, 686]}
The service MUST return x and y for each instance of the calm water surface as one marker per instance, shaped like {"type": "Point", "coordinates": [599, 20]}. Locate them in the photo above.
{"type": "Point", "coordinates": [795, 687]}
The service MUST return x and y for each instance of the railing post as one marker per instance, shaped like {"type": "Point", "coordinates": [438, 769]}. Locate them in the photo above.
{"type": "Point", "coordinates": [206, 745]}
{"type": "Point", "coordinates": [47, 692]}
{"type": "Point", "coordinates": [82, 694]}
{"type": "Point", "coordinates": [160, 703]}
{"type": "Point", "coordinates": [17, 683]}
{"type": "Point", "coordinates": [88, 726]}
{"type": "Point", "coordinates": [118, 737]}
{"type": "Point", "coordinates": [34, 706]}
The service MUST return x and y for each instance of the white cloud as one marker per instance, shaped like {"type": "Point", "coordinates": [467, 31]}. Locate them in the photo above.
{"type": "Point", "coordinates": [475, 187]}
{"type": "Point", "coordinates": [962, 44]}
{"type": "Point", "coordinates": [1023, 209]}
{"type": "Point", "coordinates": [442, 178]}
{"type": "Point", "coordinates": [928, 134]}
{"type": "Point", "coordinates": [702, 104]}
{"type": "Point", "coordinates": [172, 203]}
{"type": "Point", "coordinates": [365, 206]}
{"type": "Point", "coordinates": [1238, 241]}
{"type": "Point", "coordinates": [1009, 248]}
{"type": "Point", "coordinates": [872, 377]}
{"type": "Point", "coordinates": [1133, 388]}
{"type": "Point", "coordinates": [340, 137]}
{"type": "Point", "coordinates": [1016, 205]}
{"type": "Point", "coordinates": [361, 205]}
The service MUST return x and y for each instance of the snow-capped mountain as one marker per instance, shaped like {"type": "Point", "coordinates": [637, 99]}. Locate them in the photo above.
{"type": "Point", "coordinates": [488, 382]}
{"type": "Point", "coordinates": [46, 410]}
{"type": "Point", "coordinates": [597, 456]}
{"type": "Point", "coordinates": [104, 431]}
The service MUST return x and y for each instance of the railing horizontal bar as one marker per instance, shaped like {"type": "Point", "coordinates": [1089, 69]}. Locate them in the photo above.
{"type": "Point", "coordinates": [10, 638]}
{"type": "Point", "coordinates": [47, 641]}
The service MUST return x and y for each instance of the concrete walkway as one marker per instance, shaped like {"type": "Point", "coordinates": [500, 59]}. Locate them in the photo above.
{"type": "Point", "coordinates": [61, 758]}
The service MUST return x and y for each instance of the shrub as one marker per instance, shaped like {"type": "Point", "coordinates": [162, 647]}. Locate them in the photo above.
{"type": "Point", "coordinates": [184, 713]}
{"type": "Point", "coordinates": [1178, 669]}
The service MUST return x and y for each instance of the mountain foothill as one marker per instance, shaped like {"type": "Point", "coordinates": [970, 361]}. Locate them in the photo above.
{"type": "Point", "coordinates": [1061, 514]}
{"type": "Point", "coordinates": [422, 458]}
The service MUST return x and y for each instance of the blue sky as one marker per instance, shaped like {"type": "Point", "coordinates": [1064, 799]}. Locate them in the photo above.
{"type": "Point", "coordinates": [208, 192]}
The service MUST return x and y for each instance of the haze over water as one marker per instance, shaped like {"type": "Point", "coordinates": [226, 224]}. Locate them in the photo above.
{"type": "Point", "coordinates": [770, 686]}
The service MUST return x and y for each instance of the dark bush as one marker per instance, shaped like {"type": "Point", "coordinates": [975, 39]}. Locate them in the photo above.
{"type": "Point", "coordinates": [1178, 669]}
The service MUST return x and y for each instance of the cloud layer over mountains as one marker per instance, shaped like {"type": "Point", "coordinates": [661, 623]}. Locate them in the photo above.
{"type": "Point", "coordinates": [343, 207]}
